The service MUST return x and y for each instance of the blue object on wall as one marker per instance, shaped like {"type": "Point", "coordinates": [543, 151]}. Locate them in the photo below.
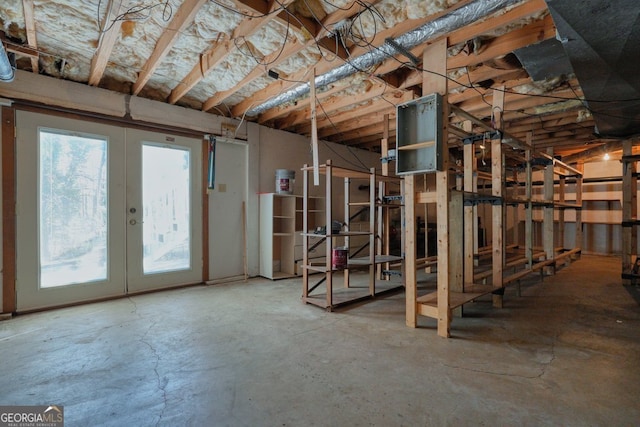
{"type": "Point", "coordinates": [211, 179]}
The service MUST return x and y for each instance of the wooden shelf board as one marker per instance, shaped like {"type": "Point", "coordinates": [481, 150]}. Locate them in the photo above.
{"type": "Point", "coordinates": [282, 234]}
{"type": "Point", "coordinates": [379, 259]}
{"type": "Point", "coordinates": [340, 172]}
{"type": "Point", "coordinates": [283, 217]}
{"type": "Point", "coordinates": [353, 294]}
{"type": "Point", "coordinates": [417, 145]}
{"type": "Point", "coordinates": [456, 299]}
{"type": "Point", "coordinates": [319, 268]}
{"type": "Point", "coordinates": [343, 234]}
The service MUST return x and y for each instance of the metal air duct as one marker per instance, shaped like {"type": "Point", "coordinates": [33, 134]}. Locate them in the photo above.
{"type": "Point", "coordinates": [7, 68]}
{"type": "Point", "coordinates": [455, 20]}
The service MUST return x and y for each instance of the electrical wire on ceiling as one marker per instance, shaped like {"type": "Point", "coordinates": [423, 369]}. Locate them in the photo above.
{"type": "Point", "coordinates": [139, 12]}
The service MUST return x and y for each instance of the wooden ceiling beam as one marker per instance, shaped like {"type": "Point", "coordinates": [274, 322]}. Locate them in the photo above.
{"type": "Point", "coordinates": [272, 114]}
{"type": "Point", "coordinates": [361, 133]}
{"type": "Point", "coordinates": [30, 28]}
{"type": "Point", "coordinates": [110, 32]}
{"type": "Point", "coordinates": [324, 43]}
{"type": "Point", "coordinates": [219, 51]}
{"type": "Point", "coordinates": [515, 102]}
{"type": "Point", "coordinates": [530, 34]}
{"type": "Point", "coordinates": [357, 123]}
{"type": "Point", "coordinates": [373, 106]}
{"type": "Point", "coordinates": [181, 19]}
{"type": "Point", "coordinates": [257, 7]}
{"type": "Point", "coordinates": [469, 32]}
{"type": "Point", "coordinates": [332, 104]}
{"type": "Point", "coordinates": [323, 66]}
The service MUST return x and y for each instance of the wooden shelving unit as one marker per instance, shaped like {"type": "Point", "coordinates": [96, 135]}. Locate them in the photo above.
{"type": "Point", "coordinates": [329, 296]}
{"type": "Point", "coordinates": [458, 282]}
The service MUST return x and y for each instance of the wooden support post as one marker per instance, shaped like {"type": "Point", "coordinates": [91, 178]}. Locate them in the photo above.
{"type": "Point", "coordinates": [411, 283]}
{"type": "Point", "coordinates": [384, 145]}
{"type": "Point", "coordinates": [629, 210]}
{"type": "Point", "coordinates": [436, 55]}
{"type": "Point", "coordinates": [347, 239]}
{"type": "Point", "coordinates": [561, 198]}
{"type": "Point", "coordinates": [497, 174]}
{"type": "Point", "coordinates": [578, 242]}
{"type": "Point", "coordinates": [547, 221]}
{"type": "Point", "coordinates": [329, 241]}
{"type": "Point", "coordinates": [384, 214]}
{"type": "Point", "coordinates": [528, 224]}
{"type": "Point", "coordinates": [372, 232]}
{"type": "Point", "coordinates": [516, 212]}
{"type": "Point", "coordinates": [470, 221]}
{"type": "Point", "coordinates": [426, 222]}
{"type": "Point", "coordinates": [456, 246]}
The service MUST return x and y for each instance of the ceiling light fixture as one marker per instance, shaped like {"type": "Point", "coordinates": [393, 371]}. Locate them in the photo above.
{"type": "Point", "coordinates": [606, 156]}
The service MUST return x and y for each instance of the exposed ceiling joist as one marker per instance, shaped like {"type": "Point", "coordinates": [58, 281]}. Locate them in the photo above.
{"type": "Point", "coordinates": [109, 34]}
{"type": "Point", "coordinates": [220, 50]}
{"type": "Point", "coordinates": [30, 27]}
{"type": "Point", "coordinates": [181, 19]}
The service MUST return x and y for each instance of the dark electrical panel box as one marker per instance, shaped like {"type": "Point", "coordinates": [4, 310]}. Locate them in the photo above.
{"type": "Point", "coordinates": [419, 135]}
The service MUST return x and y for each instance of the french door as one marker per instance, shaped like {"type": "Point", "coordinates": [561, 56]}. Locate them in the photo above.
{"type": "Point", "coordinates": [103, 211]}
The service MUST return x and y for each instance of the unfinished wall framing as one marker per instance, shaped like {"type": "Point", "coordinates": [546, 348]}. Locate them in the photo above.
{"type": "Point", "coordinates": [461, 275]}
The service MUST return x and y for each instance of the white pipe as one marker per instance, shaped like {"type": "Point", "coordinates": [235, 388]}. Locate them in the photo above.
{"type": "Point", "coordinates": [7, 71]}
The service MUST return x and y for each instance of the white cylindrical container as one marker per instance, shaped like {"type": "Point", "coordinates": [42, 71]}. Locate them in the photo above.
{"type": "Point", "coordinates": [284, 181]}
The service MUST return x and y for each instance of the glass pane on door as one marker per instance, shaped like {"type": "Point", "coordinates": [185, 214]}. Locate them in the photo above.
{"type": "Point", "coordinates": [72, 209]}
{"type": "Point", "coordinates": [166, 199]}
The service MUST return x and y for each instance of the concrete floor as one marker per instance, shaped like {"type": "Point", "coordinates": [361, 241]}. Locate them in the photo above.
{"type": "Point", "coordinates": [567, 352]}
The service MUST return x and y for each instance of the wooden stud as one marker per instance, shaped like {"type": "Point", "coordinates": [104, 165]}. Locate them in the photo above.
{"type": "Point", "coordinates": [516, 211]}
{"type": "Point", "coordinates": [8, 211]}
{"type": "Point", "coordinates": [434, 82]}
{"type": "Point", "coordinates": [411, 283]}
{"type": "Point", "coordinates": [347, 215]}
{"type": "Point", "coordinates": [578, 242]}
{"type": "Point", "coordinates": [470, 222]}
{"type": "Point", "coordinates": [385, 215]}
{"type": "Point", "coordinates": [528, 225]}
{"type": "Point", "coordinates": [561, 198]}
{"type": "Point", "coordinates": [372, 232]}
{"type": "Point", "coordinates": [547, 221]}
{"type": "Point", "coordinates": [456, 246]}
{"type": "Point", "coordinates": [497, 213]}
{"type": "Point", "coordinates": [329, 241]}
